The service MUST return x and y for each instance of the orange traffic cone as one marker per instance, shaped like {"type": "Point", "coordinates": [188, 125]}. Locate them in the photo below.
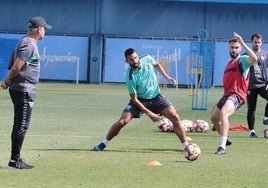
{"type": "Point", "coordinates": [154, 163]}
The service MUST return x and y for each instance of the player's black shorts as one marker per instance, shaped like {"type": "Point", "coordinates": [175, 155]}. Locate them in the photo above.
{"type": "Point", "coordinates": [156, 105]}
{"type": "Point", "coordinates": [237, 100]}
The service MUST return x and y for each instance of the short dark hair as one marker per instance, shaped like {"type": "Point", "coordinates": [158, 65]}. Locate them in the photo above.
{"type": "Point", "coordinates": [129, 51]}
{"type": "Point", "coordinates": [257, 35]}
{"type": "Point", "coordinates": [233, 40]}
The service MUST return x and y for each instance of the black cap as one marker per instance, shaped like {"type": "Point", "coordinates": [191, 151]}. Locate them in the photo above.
{"type": "Point", "coordinates": [38, 22]}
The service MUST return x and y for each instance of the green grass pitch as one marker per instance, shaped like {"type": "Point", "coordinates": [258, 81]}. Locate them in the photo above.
{"type": "Point", "coordinates": [68, 120]}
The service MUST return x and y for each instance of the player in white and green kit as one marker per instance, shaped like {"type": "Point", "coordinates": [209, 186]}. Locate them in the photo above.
{"type": "Point", "coordinates": [143, 81]}
{"type": "Point", "coordinates": [145, 97]}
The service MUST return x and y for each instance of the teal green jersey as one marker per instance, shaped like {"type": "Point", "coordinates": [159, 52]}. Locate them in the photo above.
{"type": "Point", "coordinates": [245, 65]}
{"type": "Point", "coordinates": [143, 82]}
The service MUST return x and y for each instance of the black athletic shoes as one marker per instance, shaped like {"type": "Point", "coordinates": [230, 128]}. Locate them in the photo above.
{"type": "Point", "coordinates": [220, 151]}
{"type": "Point", "coordinates": [99, 147]}
{"type": "Point", "coordinates": [228, 142]}
{"type": "Point", "coordinates": [19, 164]}
{"type": "Point", "coordinates": [253, 135]}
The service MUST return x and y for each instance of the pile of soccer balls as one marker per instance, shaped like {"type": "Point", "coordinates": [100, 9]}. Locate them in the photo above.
{"type": "Point", "coordinates": [201, 126]}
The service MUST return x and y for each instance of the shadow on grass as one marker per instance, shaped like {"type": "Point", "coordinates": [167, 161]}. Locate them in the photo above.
{"type": "Point", "coordinates": [126, 150]}
{"type": "Point", "coordinates": [7, 168]}
{"type": "Point", "coordinates": [3, 167]}
{"type": "Point", "coordinates": [146, 150]}
{"type": "Point", "coordinates": [60, 149]}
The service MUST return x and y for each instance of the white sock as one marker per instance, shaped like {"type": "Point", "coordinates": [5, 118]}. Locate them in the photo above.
{"type": "Point", "coordinates": [106, 142]}
{"type": "Point", "coordinates": [184, 144]}
{"type": "Point", "coordinates": [223, 140]}
{"type": "Point", "coordinates": [265, 118]}
{"type": "Point", "coordinates": [251, 131]}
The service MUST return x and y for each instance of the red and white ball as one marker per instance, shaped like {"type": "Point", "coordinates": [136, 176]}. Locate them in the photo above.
{"type": "Point", "coordinates": [212, 127]}
{"type": "Point", "coordinates": [265, 133]}
{"type": "Point", "coordinates": [188, 125]}
{"type": "Point", "coordinates": [202, 126]}
{"type": "Point", "coordinates": [165, 125]}
{"type": "Point", "coordinates": [192, 152]}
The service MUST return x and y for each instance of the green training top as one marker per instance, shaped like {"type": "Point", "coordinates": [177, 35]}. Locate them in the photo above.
{"type": "Point", "coordinates": [143, 82]}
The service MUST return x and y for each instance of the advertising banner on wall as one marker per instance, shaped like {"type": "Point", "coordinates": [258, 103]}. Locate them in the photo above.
{"type": "Point", "coordinates": [61, 57]}
{"type": "Point", "coordinates": [171, 53]}
{"type": "Point", "coordinates": [174, 55]}
{"type": "Point", "coordinates": [6, 48]}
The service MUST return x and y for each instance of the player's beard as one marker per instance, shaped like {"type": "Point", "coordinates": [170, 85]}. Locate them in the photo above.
{"type": "Point", "coordinates": [234, 55]}
{"type": "Point", "coordinates": [256, 48]}
{"type": "Point", "coordinates": [135, 65]}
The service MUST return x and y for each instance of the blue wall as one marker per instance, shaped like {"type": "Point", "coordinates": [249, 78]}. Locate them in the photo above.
{"type": "Point", "coordinates": [59, 56]}
{"type": "Point", "coordinates": [153, 19]}
{"type": "Point", "coordinates": [115, 65]}
{"type": "Point", "coordinates": [6, 48]}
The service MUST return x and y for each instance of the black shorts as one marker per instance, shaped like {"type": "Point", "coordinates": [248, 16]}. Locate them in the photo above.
{"type": "Point", "coordinates": [238, 102]}
{"type": "Point", "coordinates": [156, 105]}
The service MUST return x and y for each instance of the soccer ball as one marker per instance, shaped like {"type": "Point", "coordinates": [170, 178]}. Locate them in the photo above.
{"type": "Point", "coordinates": [212, 127]}
{"type": "Point", "coordinates": [165, 125]}
{"type": "Point", "coordinates": [170, 126]}
{"type": "Point", "coordinates": [202, 126]}
{"type": "Point", "coordinates": [265, 132]}
{"type": "Point", "coordinates": [188, 125]}
{"type": "Point", "coordinates": [192, 152]}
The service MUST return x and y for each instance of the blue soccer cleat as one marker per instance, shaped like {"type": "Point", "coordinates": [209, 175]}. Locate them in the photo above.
{"type": "Point", "coordinates": [99, 147]}
{"type": "Point", "coordinates": [253, 135]}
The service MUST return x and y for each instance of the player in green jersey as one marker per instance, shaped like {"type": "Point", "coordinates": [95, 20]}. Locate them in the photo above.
{"type": "Point", "coordinates": [145, 97]}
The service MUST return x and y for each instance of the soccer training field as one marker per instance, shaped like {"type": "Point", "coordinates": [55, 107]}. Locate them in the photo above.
{"type": "Point", "coordinates": [68, 120]}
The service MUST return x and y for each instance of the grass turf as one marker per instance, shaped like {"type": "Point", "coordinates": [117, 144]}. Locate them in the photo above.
{"type": "Point", "coordinates": [68, 120]}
